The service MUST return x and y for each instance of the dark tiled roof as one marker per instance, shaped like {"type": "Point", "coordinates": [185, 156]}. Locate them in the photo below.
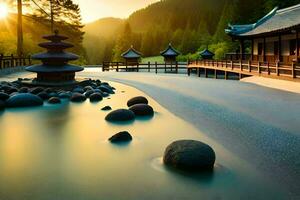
{"type": "Point", "coordinates": [274, 21]}
{"type": "Point", "coordinates": [206, 53]}
{"type": "Point", "coordinates": [131, 53]}
{"type": "Point", "coordinates": [170, 51]}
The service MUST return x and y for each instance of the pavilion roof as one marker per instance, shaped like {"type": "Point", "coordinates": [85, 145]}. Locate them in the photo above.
{"type": "Point", "coordinates": [170, 51]}
{"type": "Point", "coordinates": [131, 53]}
{"type": "Point", "coordinates": [275, 21]}
{"type": "Point", "coordinates": [206, 52]}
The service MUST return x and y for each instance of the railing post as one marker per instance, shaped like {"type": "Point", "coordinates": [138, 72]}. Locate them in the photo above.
{"type": "Point", "coordinates": [268, 65]}
{"type": "Point", "coordinates": [117, 66]}
{"type": "Point", "coordinates": [241, 65]}
{"type": "Point", "coordinates": [226, 64]}
{"type": "Point", "coordinates": [277, 70]}
{"type": "Point", "coordinates": [149, 66]}
{"type": "Point", "coordinates": [1, 56]}
{"type": "Point", "coordinates": [12, 61]}
{"type": "Point", "coordinates": [176, 67]}
{"type": "Point", "coordinates": [137, 67]}
{"type": "Point", "coordinates": [165, 67]}
{"type": "Point", "coordinates": [29, 60]}
{"type": "Point", "coordinates": [231, 62]}
{"type": "Point", "coordinates": [126, 67]}
{"type": "Point", "coordinates": [258, 67]}
{"type": "Point", "coordinates": [293, 70]}
{"type": "Point", "coordinates": [103, 66]}
{"type": "Point", "coordinates": [249, 65]}
{"type": "Point", "coordinates": [155, 67]}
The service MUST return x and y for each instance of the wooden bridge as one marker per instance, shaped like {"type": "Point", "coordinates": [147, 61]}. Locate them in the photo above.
{"type": "Point", "coordinates": [245, 68]}
{"type": "Point", "coordinates": [156, 67]}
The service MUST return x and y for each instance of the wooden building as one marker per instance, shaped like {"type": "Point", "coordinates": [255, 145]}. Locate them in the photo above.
{"type": "Point", "coordinates": [170, 54]}
{"type": "Point", "coordinates": [206, 54]}
{"type": "Point", "coordinates": [273, 38]}
{"type": "Point", "coordinates": [132, 57]}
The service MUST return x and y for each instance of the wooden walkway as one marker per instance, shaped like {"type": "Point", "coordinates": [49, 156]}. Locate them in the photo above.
{"type": "Point", "coordinates": [245, 68]}
{"type": "Point", "coordinates": [13, 61]}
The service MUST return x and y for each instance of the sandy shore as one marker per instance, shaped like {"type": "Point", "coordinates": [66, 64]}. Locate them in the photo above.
{"type": "Point", "coordinates": [289, 86]}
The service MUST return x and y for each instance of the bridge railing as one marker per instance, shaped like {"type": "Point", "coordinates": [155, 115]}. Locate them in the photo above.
{"type": "Point", "coordinates": [14, 61]}
{"type": "Point", "coordinates": [167, 67]}
{"type": "Point", "coordinates": [270, 68]}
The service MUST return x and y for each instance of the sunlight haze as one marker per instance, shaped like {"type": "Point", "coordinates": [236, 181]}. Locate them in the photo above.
{"type": "Point", "coordinates": [92, 10]}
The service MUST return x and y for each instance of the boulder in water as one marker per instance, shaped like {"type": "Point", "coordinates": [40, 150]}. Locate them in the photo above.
{"type": "Point", "coordinates": [120, 115]}
{"type": "Point", "coordinates": [77, 97]}
{"type": "Point", "coordinates": [137, 100]}
{"type": "Point", "coordinates": [95, 97]}
{"type": "Point", "coordinates": [54, 100]}
{"type": "Point", "coordinates": [123, 136]}
{"type": "Point", "coordinates": [43, 95]}
{"type": "Point", "coordinates": [24, 100]}
{"type": "Point", "coordinates": [105, 108]}
{"type": "Point", "coordinates": [189, 155]}
{"type": "Point", "coordinates": [142, 110]}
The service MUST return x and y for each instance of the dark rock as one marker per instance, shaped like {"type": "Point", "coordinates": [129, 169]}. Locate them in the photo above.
{"type": "Point", "coordinates": [43, 95]}
{"type": "Point", "coordinates": [137, 100]}
{"type": "Point", "coordinates": [106, 108]}
{"type": "Point", "coordinates": [189, 155]}
{"type": "Point", "coordinates": [24, 100]}
{"type": "Point", "coordinates": [120, 115]}
{"type": "Point", "coordinates": [65, 95]}
{"type": "Point", "coordinates": [106, 89]}
{"type": "Point", "coordinates": [88, 93]}
{"type": "Point", "coordinates": [87, 88]}
{"type": "Point", "coordinates": [77, 97]}
{"type": "Point", "coordinates": [3, 96]}
{"type": "Point", "coordinates": [2, 105]}
{"type": "Point", "coordinates": [54, 100]}
{"type": "Point", "coordinates": [78, 90]}
{"type": "Point", "coordinates": [11, 90]}
{"type": "Point", "coordinates": [49, 90]}
{"type": "Point", "coordinates": [36, 90]}
{"type": "Point", "coordinates": [123, 136]}
{"type": "Point", "coordinates": [105, 94]}
{"type": "Point", "coordinates": [53, 94]}
{"type": "Point", "coordinates": [24, 90]}
{"type": "Point", "coordinates": [142, 110]}
{"type": "Point", "coordinates": [95, 97]}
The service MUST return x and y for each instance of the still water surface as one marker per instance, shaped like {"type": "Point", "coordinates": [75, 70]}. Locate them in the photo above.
{"type": "Point", "coordinates": [61, 152]}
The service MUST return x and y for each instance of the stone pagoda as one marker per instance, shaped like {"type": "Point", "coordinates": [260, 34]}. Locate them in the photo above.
{"type": "Point", "coordinates": [55, 70]}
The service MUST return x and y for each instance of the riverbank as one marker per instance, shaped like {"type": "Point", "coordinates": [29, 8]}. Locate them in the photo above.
{"type": "Point", "coordinates": [288, 86]}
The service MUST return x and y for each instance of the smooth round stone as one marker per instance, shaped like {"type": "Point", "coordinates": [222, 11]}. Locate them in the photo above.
{"type": "Point", "coordinates": [54, 100]}
{"type": "Point", "coordinates": [49, 90]}
{"type": "Point", "coordinates": [88, 93]}
{"type": "Point", "coordinates": [65, 95]}
{"type": "Point", "coordinates": [189, 155]}
{"type": "Point", "coordinates": [23, 90]}
{"type": "Point", "coordinates": [106, 108]}
{"type": "Point", "coordinates": [120, 115]}
{"type": "Point", "coordinates": [53, 94]}
{"type": "Point", "coordinates": [78, 90]}
{"type": "Point", "coordinates": [3, 96]}
{"type": "Point", "coordinates": [105, 94]}
{"type": "Point", "coordinates": [142, 110]}
{"type": "Point", "coordinates": [2, 105]}
{"type": "Point", "coordinates": [123, 136]}
{"type": "Point", "coordinates": [36, 90]}
{"type": "Point", "coordinates": [43, 95]}
{"type": "Point", "coordinates": [11, 90]}
{"type": "Point", "coordinates": [86, 88]}
{"type": "Point", "coordinates": [77, 97]}
{"type": "Point", "coordinates": [106, 89]}
{"type": "Point", "coordinates": [24, 100]}
{"type": "Point", "coordinates": [95, 97]}
{"type": "Point", "coordinates": [137, 100]}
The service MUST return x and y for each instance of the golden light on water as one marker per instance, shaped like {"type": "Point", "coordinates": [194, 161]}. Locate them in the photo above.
{"type": "Point", "coordinates": [3, 10]}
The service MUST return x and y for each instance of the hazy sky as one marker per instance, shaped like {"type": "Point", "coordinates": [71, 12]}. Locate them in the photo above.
{"type": "Point", "coordinates": [95, 9]}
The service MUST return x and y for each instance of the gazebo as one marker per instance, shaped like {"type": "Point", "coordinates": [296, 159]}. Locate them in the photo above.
{"type": "Point", "coordinates": [206, 54]}
{"type": "Point", "coordinates": [170, 54]}
{"type": "Point", "coordinates": [131, 56]}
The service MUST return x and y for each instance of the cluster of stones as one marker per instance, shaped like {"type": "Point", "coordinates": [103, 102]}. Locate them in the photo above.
{"type": "Point", "coordinates": [16, 94]}
{"type": "Point", "coordinates": [184, 155]}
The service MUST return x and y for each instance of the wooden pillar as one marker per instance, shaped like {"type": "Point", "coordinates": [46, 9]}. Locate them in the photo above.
{"type": "Point", "coordinates": [117, 66]}
{"type": "Point", "coordinates": [252, 49]}
{"type": "Point", "coordinates": [297, 44]}
{"type": "Point", "coordinates": [279, 48]}
{"type": "Point", "coordinates": [165, 67]}
{"type": "Point", "coordinates": [293, 70]}
{"type": "Point", "coordinates": [242, 49]}
{"type": "Point", "coordinates": [216, 75]}
{"type": "Point", "coordinates": [264, 50]}
{"type": "Point", "coordinates": [149, 66]}
{"type": "Point", "coordinates": [156, 67]}
{"type": "Point", "coordinates": [205, 72]}
{"type": "Point", "coordinates": [199, 72]}
{"type": "Point", "coordinates": [176, 67]}
{"type": "Point", "coordinates": [20, 29]}
{"type": "Point", "coordinates": [226, 76]}
{"type": "Point", "coordinates": [137, 67]}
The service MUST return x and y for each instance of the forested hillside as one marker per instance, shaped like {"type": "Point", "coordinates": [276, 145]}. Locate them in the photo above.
{"type": "Point", "coordinates": [190, 25]}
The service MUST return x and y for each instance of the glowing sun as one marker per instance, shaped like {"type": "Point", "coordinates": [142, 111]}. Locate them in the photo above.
{"type": "Point", "coordinates": [3, 10]}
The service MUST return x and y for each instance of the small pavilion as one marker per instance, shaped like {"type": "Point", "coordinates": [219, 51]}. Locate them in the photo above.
{"type": "Point", "coordinates": [206, 54]}
{"type": "Point", "coordinates": [170, 54]}
{"type": "Point", "coordinates": [132, 57]}
{"type": "Point", "coordinates": [273, 38]}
